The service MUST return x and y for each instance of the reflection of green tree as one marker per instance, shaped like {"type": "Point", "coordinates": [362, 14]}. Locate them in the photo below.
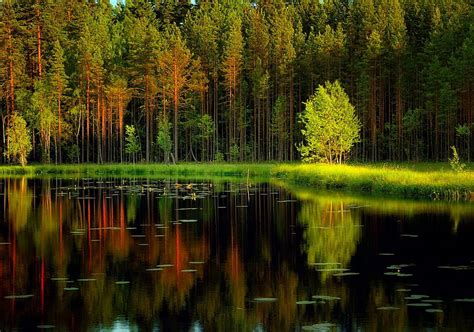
{"type": "Point", "coordinates": [133, 202]}
{"type": "Point", "coordinates": [20, 201]}
{"type": "Point", "coordinates": [331, 234]}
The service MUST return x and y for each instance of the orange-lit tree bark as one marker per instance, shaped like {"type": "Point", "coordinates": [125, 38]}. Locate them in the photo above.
{"type": "Point", "coordinates": [179, 75]}
{"type": "Point", "coordinates": [232, 71]}
{"type": "Point", "coordinates": [58, 80]}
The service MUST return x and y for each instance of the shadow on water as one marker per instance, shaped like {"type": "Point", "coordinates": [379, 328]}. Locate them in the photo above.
{"type": "Point", "coordinates": [107, 254]}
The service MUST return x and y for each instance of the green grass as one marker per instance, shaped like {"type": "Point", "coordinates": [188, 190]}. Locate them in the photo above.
{"type": "Point", "coordinates": [400, 180]}
{"type": "Point", "coordinates": [422, 180]}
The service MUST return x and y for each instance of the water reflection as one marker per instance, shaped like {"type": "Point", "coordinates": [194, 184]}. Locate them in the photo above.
{"type": "Point", "coordinates": [81, 254]}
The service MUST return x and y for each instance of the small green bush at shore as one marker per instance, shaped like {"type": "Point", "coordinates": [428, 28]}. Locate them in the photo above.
{"type": "Point", "coordinates": [434, 180]}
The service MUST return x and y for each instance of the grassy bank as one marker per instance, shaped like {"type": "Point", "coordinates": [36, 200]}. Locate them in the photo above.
{"type": "Point", "coordinates": [401, 180]}
{"type": "Point", "coordinates": [407, 180]}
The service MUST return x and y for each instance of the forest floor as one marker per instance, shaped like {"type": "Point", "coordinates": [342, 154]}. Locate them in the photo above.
{"type": "Point", "coordinates": [414, 180]}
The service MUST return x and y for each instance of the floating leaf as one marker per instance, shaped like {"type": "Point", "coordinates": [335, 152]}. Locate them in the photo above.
{"type": "Point", "coordinates": [434, 311]}
{"type": "Point", "coordinates": [326, 297]}
{"type": "Point", "coordinates": [332, 270]}
{"type": "Point", "coordinates": [188, 270]}
{"type": "Point", "coordinates": [122, 282]}
{"type": "Point", "coordinates": [346, 274]}
{"type": "Point", "coordinates": [71, 289]}
{"type": "Point", "coordinates": [19, 297]}
{"type": "Point", "coordinates": [465, 300]}
{"type": "Point", "coordinates": [319, 327]}
{"type": "Point", "coordinates": [305, 302]}
{"type": "Point", "coordinates": [416, 297]}
{"type": "Point", "coordinates": [388, 308]}
{"type": "Point", "coordinates": [265, 299]}
{"type": "Point", "coordinates": [419, 304]}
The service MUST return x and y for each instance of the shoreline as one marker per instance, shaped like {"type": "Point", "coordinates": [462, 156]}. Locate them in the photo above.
{"type": "Point", "coordinates": [423, 180]}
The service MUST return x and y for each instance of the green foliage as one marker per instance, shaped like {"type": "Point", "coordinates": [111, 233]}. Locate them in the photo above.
{"type": "Point", "coordinates": [18, 140]}
{"type": "Point", "coordinates": [234, 152]}
{"type": "Point", "coordinates": [246, 65]}
{"type": "Point", "coordinates": [132, 142]}
{"type": "Point", "coordinates": [163, 138]}
{"type": "Point", "coordinates": [206, 124]}
{"type": "Point", "coordinates": [45, 120]}
{"type": "Point", "coordinates": [331, 126]}
{"type": "Point", "coordinates": [455, 161]}
{"type": "Point", "coordinates": [219, 157]}
{"type": "Point", "coordinates": [463, 130]}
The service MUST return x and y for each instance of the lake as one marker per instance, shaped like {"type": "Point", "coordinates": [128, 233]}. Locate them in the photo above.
{"type": "Point", "coordinates": [182, 255]}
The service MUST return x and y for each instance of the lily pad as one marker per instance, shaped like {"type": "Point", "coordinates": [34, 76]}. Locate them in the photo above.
{"type": "Point", "coordinates": [319, 327]}
{"type": "Point", "coordinates": [265, 299]}
{"type": "Point", "coordinates": [326, 297]}
{"type": "Point", "coordinates": [465, 300]}
{"type": "Point", "coordinates": [305, 302]}
{"type": "Point", "coordinates": [19, 297]}
{"type": "Point", "coordinates": [332, 270]}
{"type": "Point", "coordinates": [388, 308]}
{"type": "Point", "coordinates": [346, 274]}
{"type": "Point", "coordinates": [434, 311]}
{"type": "Point", "coordinates": [419, 304]}
{"type": "Point", "coordinates": [122, 282]}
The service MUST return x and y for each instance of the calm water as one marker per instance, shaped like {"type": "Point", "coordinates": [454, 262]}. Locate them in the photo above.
{"type": "Point", "coordinates": [118, 254]}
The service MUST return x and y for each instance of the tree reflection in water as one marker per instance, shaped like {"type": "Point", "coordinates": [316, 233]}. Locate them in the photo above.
{"type": "Point", "coordinates": [198, 255]}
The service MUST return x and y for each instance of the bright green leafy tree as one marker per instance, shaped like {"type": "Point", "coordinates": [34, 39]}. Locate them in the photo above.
{"type": "Point", "coordinates": [132, 142]}
{"type": "Point", "coordinates": [163, 138]}
{"type": "Point", "coordinates": [331, 126]}
{"type": "Point", "coordinates": [18, 140]}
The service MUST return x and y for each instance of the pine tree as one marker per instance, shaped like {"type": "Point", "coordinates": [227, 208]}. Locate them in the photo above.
{"type": "Point", "coordinates": [232, 72]}
{"type": "Point", "coordinates": [59, 81]}
{"type": "Point", "coordinates": [180, 74]}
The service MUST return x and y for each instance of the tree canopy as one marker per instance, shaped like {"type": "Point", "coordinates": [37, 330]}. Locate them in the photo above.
{"type": "Point", "coordinates": [231, 77]}
{"type": "Point", "coordinates": [331, 126]}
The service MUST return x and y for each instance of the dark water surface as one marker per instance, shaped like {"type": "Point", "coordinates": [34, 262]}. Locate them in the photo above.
{"type": "Point", "coordinates": [117, 254]}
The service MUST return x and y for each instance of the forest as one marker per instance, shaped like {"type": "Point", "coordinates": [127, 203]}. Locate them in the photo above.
{"type": "Point", "coordinates": [227, 80]}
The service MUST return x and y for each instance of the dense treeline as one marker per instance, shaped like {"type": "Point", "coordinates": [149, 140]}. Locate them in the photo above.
{"type": "Point", "coordinates": [227, 79]}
